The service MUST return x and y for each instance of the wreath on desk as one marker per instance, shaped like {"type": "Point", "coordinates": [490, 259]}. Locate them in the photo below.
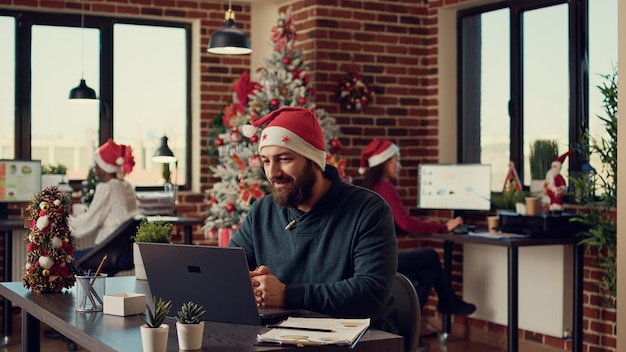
{"type": "Point", "coordinates": [49, 252]}
{"type": "Point", "coordinates": [355, 92]}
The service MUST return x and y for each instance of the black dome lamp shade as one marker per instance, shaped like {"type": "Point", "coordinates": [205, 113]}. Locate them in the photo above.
{"type": "Point", "coordinates": [83, 92]}
{"type": "Point", "coordinates": [229, 40]}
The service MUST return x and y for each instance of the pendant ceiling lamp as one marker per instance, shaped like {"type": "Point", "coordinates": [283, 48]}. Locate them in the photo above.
{"type": "Point", "coordinates": [229, 40]}
{"type": "Point", "coordinates": [82, 93]}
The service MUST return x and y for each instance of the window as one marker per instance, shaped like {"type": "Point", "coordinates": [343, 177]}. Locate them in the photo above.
{"type": "Point", "coordinates": [522, 77]}
{"type": "Point", "coordinates": [140, 69]}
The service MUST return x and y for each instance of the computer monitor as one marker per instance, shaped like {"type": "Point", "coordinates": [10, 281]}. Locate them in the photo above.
{"type": "Point", "coordinates": [19, 180]}
{"type": "Point", "coordinates": [454, 186]}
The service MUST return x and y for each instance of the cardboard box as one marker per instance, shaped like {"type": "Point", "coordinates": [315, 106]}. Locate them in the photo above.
{"type": "Point", "coordinates": [124, 304]}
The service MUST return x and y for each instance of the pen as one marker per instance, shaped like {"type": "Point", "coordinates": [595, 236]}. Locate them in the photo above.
{"type": "Point", "coordinates": [298, 328]}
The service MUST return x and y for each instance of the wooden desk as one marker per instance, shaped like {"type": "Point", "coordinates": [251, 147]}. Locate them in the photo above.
{"type": "Point", "coordinates": [7, 226]}
{"type": "Point", "coordinates": [512, 246]}
{"type": "Point", "coordinates": [177, 220]}
{"type": "Point", "coordinates": [100, 332]}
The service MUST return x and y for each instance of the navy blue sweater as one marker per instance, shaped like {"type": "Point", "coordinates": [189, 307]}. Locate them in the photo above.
{"type": "Point", "coordinates": [339, 259]}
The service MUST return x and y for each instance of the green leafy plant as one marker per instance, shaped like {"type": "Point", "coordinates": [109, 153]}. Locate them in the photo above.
{"type": "Point", "coordinates": [542, 153]}
{"type": "Point", "coordinates": [156, 315]}
{"type": "Point", "coordinates": [601, 232]}
{"type": "Point", "coordinates": [190, 313]}
{"type": "Point", "coordinates": [153, 231]}
{"type": "Point", "coordinates": [506, 199]}
{"type": "Point", "coordinates": [52, 169]}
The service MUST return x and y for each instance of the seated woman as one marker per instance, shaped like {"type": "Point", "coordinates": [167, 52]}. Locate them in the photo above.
{"type": "Point", "coordinates": [420, 265]}
{"type": "Point", "coordinates": [114, 200]}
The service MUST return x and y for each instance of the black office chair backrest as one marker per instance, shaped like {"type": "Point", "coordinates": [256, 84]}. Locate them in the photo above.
{"type": "Point", "coordinates": [118, 248]}
{"type": "Point", "coordinates": [408, 312]}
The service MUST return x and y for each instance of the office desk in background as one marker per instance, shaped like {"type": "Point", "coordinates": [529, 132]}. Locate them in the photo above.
{"type": "Point", "coordinates": [100, 332]}
{"type": "Point", "coordinates": [513, 245]}
{"type": "Point", "coordinates": [188, 223]}
{"type": "Point", "coordinates": [7, 226]}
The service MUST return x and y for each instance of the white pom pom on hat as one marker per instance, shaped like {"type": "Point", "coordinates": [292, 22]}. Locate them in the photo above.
{"type": "Point", "coordinates": [294, 128]}
{"type": "Point", "coordinates": [377, 152]}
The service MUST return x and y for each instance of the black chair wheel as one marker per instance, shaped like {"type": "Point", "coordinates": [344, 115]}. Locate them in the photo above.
{"type": "Point", "coordinates": [71, 346]}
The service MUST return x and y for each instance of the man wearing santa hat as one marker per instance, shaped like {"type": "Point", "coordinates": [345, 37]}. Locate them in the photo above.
{"type": "Point", "coordinates": [114, 200]}
{"type": "Point", "coordinates": [554, 184]}
{"type": "Point", "coordinates": [316, 242]}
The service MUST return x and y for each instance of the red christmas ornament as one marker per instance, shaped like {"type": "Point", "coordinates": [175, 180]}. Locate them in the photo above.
{"type": "Point", "coordinates": [254, 139]}
{"type": "Point", "coordinates": [286, 60]}
{"type": "Point", "coordinates": [274, 103]}
{"type": "Point", "coordinates": [255, 161]}
{"type": "Point", "coordinates": [230, 208]}
{"type": "Point", "coordinates": [219, 142]}
{"type": "Point", "coordinates": [302, 100]}
{"type": "Point", "coordinates": [335, 144]}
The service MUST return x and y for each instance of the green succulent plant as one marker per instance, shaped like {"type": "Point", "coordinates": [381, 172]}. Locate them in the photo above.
{"type": "Point", "coordinates": [156, 315]}
{"type": "Point", "coordinates": [190, 313]}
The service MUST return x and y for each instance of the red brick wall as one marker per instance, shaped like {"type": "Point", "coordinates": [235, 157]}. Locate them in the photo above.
{"type": "Point", "coordinates": [392, 43]}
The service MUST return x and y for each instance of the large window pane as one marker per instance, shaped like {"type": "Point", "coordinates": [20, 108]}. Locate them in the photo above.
{"type": "Point", "coordinates": [546, 79]}
{"type": "Point", "coordinates": [63, 132]}
{"type": "Point", "coordinates": [150, 97]}
{"type": "Point", "coordinates": [7, 87]}
{"type": "Point", "coordinates": [495, 95]}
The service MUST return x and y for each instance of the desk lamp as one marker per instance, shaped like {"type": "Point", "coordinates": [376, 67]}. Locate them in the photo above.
{"type": "Point", "coordinates": [164, 155]}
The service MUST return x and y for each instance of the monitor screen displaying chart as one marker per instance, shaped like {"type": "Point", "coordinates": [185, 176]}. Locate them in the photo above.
{"type": "Point", "coordinates": [454, 186]}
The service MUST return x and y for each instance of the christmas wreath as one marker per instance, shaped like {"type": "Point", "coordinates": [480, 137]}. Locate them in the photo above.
{"type": "Point", "coordinates": [355, 92]}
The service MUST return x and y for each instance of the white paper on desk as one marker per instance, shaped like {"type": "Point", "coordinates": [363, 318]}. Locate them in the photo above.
{"type": "Point", "coordinates": [497, 235]}
{"type": "Point", "coordinates": [346, 331]}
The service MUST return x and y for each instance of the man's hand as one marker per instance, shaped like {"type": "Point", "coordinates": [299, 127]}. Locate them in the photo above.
{"type": "Point", "coordinates": [268, 290]}
{"type": "Point", "coordinates": [454, 223]}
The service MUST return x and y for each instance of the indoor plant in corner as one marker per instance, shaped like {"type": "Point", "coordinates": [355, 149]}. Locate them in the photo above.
{"type": "Point", "coordinates": [154, 332]}
{"type": "Point", "coordinates": [149, 231]}
{"type": "Point", "coordinates": [189, 326]}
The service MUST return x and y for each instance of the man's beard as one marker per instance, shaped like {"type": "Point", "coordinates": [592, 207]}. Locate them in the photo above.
{"type": "Point", "coordinates": [296, 192]}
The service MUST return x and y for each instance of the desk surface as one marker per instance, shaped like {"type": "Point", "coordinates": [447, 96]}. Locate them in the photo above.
{"type": "Point", "coordinates": [504, 242]}
{"type": "Point", "coordinates": [100, 332]}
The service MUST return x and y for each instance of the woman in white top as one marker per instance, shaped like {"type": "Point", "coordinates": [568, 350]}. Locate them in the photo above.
{"type": "Point", "coordinates": [114, 200]}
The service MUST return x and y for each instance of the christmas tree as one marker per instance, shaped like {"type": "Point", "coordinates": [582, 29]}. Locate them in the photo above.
{"type": "Point", "coordinates": [282, 82]}
{"type": "Point", "coordinates": [49, 249]}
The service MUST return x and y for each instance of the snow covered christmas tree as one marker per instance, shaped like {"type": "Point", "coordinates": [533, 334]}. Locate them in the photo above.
{"type": "Point", "coordinates": [282, 82]}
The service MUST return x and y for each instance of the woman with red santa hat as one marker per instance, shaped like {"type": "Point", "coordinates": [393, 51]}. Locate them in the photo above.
{"type": "Point", "coordinates": [421, 265]}
{"type": "Point", "coordinates": [554, 184]}
{"type": "Point", "coordinates": [114, 200]}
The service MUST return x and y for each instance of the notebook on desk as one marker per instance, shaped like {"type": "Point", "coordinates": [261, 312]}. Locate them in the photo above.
{"type": "Point", "coordinates": [216, 278]}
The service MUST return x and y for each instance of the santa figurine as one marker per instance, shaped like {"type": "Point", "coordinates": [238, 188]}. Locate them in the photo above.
{"type": "Point", "coordinates": [554, 185]}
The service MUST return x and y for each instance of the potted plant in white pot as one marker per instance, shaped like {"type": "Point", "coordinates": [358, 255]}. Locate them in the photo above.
{"type": "Point", "coordinates": [542, 153]}
{"type": "Point", "coordinates": [153, 331]}
{"type": "Point", "coordinates": [149, 231]}
{"type": "Point", "coordinates": [189, 326]}
{"type": "Point", "coordinates": [53, 175]}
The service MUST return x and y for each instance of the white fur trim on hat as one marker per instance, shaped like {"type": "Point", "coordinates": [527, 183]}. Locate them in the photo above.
{"type": "Point", "coordinates": [282, 137]}
{"type": "Point", "coordinates": [106, 167]}
{"type": "Point", "coordinates": [384, 156]}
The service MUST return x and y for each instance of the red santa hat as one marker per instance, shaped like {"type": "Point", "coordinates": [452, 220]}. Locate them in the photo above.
{"type": "Point", "coordinates": [376, 153]}
{"type": "Point", "coordinates": [294, 128]}
{"type": "Point", "coordinates": [559, 161]}
{"type": "Point", "coordinates": [113, 157]}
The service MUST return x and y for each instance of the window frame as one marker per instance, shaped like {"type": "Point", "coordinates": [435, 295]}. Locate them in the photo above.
{"type": "Point", "coordinates": [578, 115]}
{"type": "Point", "coordinates": [26, 19]}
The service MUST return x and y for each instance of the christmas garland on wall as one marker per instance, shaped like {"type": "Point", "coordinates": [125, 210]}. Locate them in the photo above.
{"type": "Point", "coordinates": [355, 92]}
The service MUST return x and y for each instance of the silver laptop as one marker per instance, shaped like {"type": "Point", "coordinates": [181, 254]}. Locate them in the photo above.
{"type": "Point", "coordinates": [217, 278]}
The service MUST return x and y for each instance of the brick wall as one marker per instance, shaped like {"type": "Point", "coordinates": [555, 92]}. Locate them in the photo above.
{"type": "Point", "coordinates": [392, 43]}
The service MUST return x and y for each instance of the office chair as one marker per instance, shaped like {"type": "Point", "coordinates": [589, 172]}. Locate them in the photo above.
{"type": "Point", "coordinates": [408, 312]}
{"type": "Point", "coordinates": [118, 248]}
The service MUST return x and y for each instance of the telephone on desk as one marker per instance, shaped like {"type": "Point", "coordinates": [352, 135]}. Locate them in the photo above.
{"type": "Point", "coordinates": [464, 229]}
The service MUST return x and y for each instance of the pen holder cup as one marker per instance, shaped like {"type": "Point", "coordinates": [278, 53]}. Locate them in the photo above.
{"type": "Point", "coordinates": [90, 293]}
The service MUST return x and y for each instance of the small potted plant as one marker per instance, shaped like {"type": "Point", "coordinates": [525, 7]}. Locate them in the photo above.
{"type": "Point", "coordinates": [53, 175]}
{"type": "Point", "coordinates": [189, 326]}
{"type": "Point", "coordinates": [149, 231]}
{"type": "Point", "coordinates": [153, 331]}
{"type": "Point", "coordinates": [542, 153]}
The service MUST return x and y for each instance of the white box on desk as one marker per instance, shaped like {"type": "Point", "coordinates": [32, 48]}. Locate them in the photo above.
{"type": "Point", "coordinates": [124, 304]}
